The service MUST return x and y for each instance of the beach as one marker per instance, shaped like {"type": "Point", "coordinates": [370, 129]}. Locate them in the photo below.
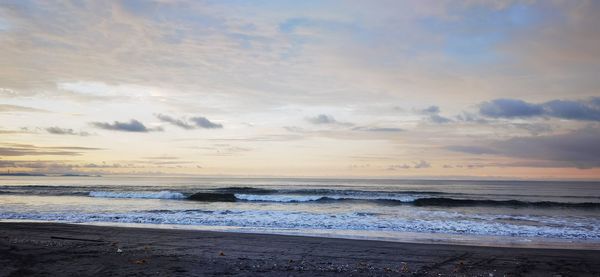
{"type": "Point", "coordinates": [43, 249]}
{"type": "Point", "coordinates": [300, 138]}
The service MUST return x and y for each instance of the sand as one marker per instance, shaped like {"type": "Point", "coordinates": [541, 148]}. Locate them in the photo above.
{"type": "Point", "coordinates": [51, 249]}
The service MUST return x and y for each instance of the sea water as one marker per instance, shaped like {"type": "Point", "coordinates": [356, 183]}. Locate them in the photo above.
{"type": "Point", "coordinates": [522, 213]}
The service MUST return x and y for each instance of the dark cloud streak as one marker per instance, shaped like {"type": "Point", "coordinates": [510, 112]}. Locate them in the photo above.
{"type": "Point", "coordinates": [579, 148]}
{"type": "Point", "coordinates": [203, 122]}
{"type": "Point", "coordinates": [325, 119]}
{"type": "Point", "coordinates": [433, 115]}
{"type": "Point", "coordinates": [32, 150]}
{"type": "Point", "coordinates": [197, 122]}
{"type": "Point", "coordinates": [131, 126]}
{"type": "Point", "coordinates": [65, 131]}
{"type": "Point", "coordinates": [174, 121]}
{"type": "Point", "coordinates": [585, 110]}
{"type": "Point", "coordinates": [15, 108]}
{"type": "Point", "coordinates": [378, 129]}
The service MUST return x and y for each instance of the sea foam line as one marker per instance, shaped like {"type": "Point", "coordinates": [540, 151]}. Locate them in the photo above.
{"type": "Point", "coordinates": [311, 198]}
{"type": "Point", "coordinates": [165, 194]}
{"type": "Point", "coordinates": [552, 227]}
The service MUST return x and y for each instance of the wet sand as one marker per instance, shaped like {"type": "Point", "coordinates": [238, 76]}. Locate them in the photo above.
{"type": "Point", "coordinates": [50, 249]}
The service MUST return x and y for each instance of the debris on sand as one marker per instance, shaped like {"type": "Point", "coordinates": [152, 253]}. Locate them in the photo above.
{"type": "Point", "coordinates": [460, 266]}
{"type": "Point", "coordinates": [404, 267]}
{"type": "Point", "coordinates": [140, 261]}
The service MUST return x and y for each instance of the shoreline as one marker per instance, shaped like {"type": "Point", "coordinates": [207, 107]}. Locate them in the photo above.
{"type": "Point", "coordinates": [73, 249]}
{"type": "Point", "coordinates": [366, 235]}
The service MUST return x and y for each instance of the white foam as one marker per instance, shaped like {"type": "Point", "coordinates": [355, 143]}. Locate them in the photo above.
{"type": "Point", "coordinates": [308, 198]}
{"type": "Point", "coordinates": [585, 230]}
{"type": "Point", "coordinates": [400, 198]}
{"type": "Point", "coordinates": [278, 197]}
{"type": "Point", "coordinates": [165, 194]}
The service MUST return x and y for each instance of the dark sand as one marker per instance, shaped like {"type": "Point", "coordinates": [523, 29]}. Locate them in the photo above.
{"type": "Point", "coordinates": [47, 249]}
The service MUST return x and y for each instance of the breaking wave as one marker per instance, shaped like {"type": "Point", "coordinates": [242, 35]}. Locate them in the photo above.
{"type": "Point", "coordinates": [250, 194]}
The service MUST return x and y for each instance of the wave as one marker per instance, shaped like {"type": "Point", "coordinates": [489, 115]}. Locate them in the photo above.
{"type": "Point", "coordinates": [416, 200]}
{"type": "Point", "coordinates": [310, 195]}
{"type": "Point", "coordinates": [399, 194]}
{"type": "Point", "coordinates": [419, 200]}
{"type": "Point", "coordinates": [213, 197]}
{"type": "Point", "coordinates": [165, 194]}
{"type": "Point", "coordinates": [451, 202]}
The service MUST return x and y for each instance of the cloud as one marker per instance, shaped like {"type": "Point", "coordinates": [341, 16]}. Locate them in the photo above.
{"type": "Point", "coordinates": [197, 122]}
{"type": "Point", "coordinates": [22, 130]}
{"type": "Point", "coordinates": [63, 166]}
{"type": "Point", "coordinates": [436, 118]}
{"type": "Point", "coordinates": [533, 128]}
{"type": "Point", "coordinates": [510, 108]}
{"type": "Point", "coordinates": [422, 164]}
{"type": "Point", "coordinates": [14, 149]}
{"type": "Point", "coordinates": [325, 119]}
{"type": "Point", "coordinates": [431, 110]}
{"type": "Point", "coordinates": [416, 165]}
{"type": "Point", "coordinates": [16, 108]}
{"type": "Point", "coordinates": [162, 158]}
{"type": "Point", "coordinates": [290, 58]}
{"type": "Point", "coordinates": [39, 167]}
{"type": "Point", "coordinates": [378, 129]}
{"type": "Point", "coordinates": [222, 149]}
{"type": "Point", "coordinates": [579, 148]}
{"type": "Point", "coordinates": [585, 110]}
{"type": "Point", "coordinates": [477, 150]}
{"type": "Point", "coordinates": [131, 126]}
{"type": "Point", "coordinates": [575, 110]}
{"type": "Point", "coordinates": [433, 115]}
{"type": "Point", "coordinates": [322, 119]}
{"type": "Point", "coordinates": [505, 126]}
{"type": "Point", "coordinates": [177, 122]}
{"type": "Point", "coordinates": [65, 131]}
{"type": "Point", "coordinates": [471, 118]}
{"type": "Point", "coordinates": [345, 132]}
{"type": "Point", "coordinates": [398, 166]}
{"type": "Point", "coordinates": [203, 122]}
{"type": "Point", "coordinates": [4, 151]}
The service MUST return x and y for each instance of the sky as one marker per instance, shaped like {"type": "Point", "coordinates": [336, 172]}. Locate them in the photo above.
{"type": "Point", "coordinates": [403, 89]}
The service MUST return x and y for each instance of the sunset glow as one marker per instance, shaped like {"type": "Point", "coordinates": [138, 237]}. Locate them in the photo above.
{"type": "Point", "coordinates": [428, 89]}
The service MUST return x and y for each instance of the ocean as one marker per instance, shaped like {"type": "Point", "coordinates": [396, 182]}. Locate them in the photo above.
{"type": "Point", "coordinates": [505, 213]}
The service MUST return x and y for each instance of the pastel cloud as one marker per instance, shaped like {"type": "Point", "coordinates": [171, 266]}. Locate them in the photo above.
{"type": "Point", "coordinates": [392, 80]}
